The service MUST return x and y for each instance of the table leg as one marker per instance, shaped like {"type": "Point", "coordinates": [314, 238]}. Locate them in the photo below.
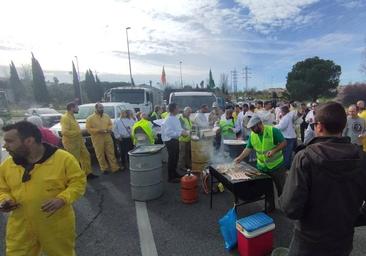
{"type": "Point", "coordinates": [211, 190]}
{"type": "Point", "coordinates": [236, 202]}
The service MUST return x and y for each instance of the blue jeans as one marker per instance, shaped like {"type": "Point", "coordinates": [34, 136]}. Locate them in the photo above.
{"type": "Point", "coordinates": [287, 153]}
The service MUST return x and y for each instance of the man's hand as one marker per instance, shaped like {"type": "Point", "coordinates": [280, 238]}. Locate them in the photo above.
{"type": "Point", "coordinates": [53, 205]}
{"type": "Point", "coordinates": [8, 206]}
{"type": "Point", "coordinates": [238, 160]}
{"type": "Point", "coordinates": [270, 153]}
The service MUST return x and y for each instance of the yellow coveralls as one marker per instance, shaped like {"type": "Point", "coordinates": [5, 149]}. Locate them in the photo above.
{"type": "Point", "coordinates": [102, 142]}
{"type": "Point", "coordinates": [29, 230]}
{"type": "Point", "coordinates": [72, 140]}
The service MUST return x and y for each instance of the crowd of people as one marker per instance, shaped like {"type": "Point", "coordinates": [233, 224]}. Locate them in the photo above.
{"type": "Point", "coordinates": [320, 182]}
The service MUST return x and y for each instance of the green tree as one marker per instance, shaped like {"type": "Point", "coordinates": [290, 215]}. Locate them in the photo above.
{"type": "Point", "coordinates": [76, 82]}
{"type": "Point", "coordinates": [93, 91]}
{"type": "Point", "coordinates": [211, 82]}
{"type": "Point", "coordinates": [224, 83]}
{"type": "Point", "coordinates": [15, 84]}
{"type": "Point", "coordinates": [313, 78]}
{"type": "Point", "coordinates": [351, 93]}
{"type": "Point", "coordinates": [39, 84]}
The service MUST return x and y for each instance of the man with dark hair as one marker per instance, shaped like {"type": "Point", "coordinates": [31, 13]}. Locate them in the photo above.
{"type": "Point", "coordinates": [38, 184]}
{"type": "Point", "coordinates": [171, 130]}
{"type": "Point", "coordinates": [72, 139]}
{"type": "Point", "coordinates": [259, 105]}
{"type": "Point", "coordinates": [304, 125]}
{"type": "Point", "coordinates": [267, 142]}
{"type": "Point", "coordinates": [325, 188]}
{"type": "Point", "coordinates": [100, 127]}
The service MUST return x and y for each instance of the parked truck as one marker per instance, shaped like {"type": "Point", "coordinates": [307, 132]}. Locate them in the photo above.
{"type": "Point", "coordinates": [140, 98]}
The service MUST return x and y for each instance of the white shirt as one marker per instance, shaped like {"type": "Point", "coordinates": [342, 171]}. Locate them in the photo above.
{"type": "Point", "coordinates": [123, 127]}
{"type": "Point", "coordinates": [286, 126]}
{"type": "Point", "coordinates": [267, 117]}
{"type": "Point", "coordinates": [171, 128]}
{"type": "Point", "coordinates": [310, 117]}
{"type": "Point", "coordinates": [201, 120]}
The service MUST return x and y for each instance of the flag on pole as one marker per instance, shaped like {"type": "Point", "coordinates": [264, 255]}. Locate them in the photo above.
{"type": "Point", "coordinates": [163, 77]}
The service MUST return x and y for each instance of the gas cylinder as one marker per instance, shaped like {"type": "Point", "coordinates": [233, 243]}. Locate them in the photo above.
{"type": "Point", "coordinates": [189, 188]}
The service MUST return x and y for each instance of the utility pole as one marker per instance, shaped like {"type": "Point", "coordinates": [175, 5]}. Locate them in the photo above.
{"type": "Point", "coordinates": [246, 74]}
{"type": "Point", "coordinates": [129, 58]}
{"type": "Point", "coordinates": [234, 81]}
{"type": "Point", "coordinates": [181, 77]}
{"type": "Point", "coordinates": [77, 66]}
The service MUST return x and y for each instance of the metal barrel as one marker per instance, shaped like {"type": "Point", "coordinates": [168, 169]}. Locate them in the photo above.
{"type": "Point", "coordinates": [146, 175]}
{"type": "Point", "coordinates": [201, 151]}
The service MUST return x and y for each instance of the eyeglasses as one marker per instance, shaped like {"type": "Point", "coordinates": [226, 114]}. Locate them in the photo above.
{"type": "Point", "coordinates": [313, 106]}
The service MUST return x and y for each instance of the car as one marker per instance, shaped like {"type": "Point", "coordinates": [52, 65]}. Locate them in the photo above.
{"type": "Point", "coordinates": [112, 109]}
{"type": "Point", "coordinates": [49, 116]}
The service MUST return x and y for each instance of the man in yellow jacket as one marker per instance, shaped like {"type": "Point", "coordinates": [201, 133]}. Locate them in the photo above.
{"type": "Point", "coordinates": [99, 125]}
{"type": "Point", "coordinates": [38, 185]}
{"type": "Point", "coordinates": [72, 139]}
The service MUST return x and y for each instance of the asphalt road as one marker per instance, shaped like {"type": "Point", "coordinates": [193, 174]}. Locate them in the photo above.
{"type": "Point", "coordinates": [107, 222]}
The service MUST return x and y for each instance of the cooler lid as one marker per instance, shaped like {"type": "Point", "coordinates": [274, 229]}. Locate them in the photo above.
{"type": "Point", "coordinates": [147, 149]}
{"type": "Point", "coordinates": [235, 142]}
{"type": "Point", "coordinates": [255, 221]}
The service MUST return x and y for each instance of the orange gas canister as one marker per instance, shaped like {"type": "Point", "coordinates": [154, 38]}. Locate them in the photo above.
{"type": "Point", "coordinates": [189, 188]}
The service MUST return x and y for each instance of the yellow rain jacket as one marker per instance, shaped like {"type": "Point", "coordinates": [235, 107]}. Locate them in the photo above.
{"type": "Point", "coordinates": [102, 141]}
{"type": "Point", "coordinates": [30, 230]}
{"type": "Point", "coordinates": [72, 141]}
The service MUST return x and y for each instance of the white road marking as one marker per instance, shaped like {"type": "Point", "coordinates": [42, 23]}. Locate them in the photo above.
{"type": "Point", "coordinates": [147, 243]}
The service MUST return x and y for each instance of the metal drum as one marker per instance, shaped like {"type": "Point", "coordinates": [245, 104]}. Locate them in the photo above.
{"type": "Point", "coordinates": [146, 172]}
{"type": "Point", "coordinates": [201, 152]}
{"type": "Point", "coordinates": [234, 147]}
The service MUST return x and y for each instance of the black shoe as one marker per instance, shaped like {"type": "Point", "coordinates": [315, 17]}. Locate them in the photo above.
{"type": "Point", "coordinates": [105, 173]}
{"type": "Point", "coordinates": [92, 176]}
{"type": "Point", "coordinates": [174, 180]}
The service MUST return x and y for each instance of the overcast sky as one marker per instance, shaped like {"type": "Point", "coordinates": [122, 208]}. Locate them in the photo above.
{"type": "Point", "coordinates": [268, 36]}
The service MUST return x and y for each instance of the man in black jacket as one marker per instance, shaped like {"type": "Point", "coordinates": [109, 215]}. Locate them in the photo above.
{"type": "Point", "coordinates": [325, 188]}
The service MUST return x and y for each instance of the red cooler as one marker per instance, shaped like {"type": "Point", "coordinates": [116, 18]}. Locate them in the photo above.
{"type": "Point", "coordinates": [255, 235]}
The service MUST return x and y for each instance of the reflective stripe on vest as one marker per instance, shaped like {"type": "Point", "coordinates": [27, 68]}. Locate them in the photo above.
{"type": "Point", "coordinates": [145, 126]}
{"type": "Point", "coordinates": [186, 125]}
{"type": "Point", "coordinates": [262, 147]}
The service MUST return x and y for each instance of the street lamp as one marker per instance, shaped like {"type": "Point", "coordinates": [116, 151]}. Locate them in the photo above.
{"type": "Point", "coordinates": [77, 65]}
{"type": "Point", "coordinates": [129, 58]}
{"type": "Point", "coordinates": [181, 78]}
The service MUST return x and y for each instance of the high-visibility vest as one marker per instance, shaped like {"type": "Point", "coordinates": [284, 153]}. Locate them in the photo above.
{"type": "Point", "coordinates": [156, 115]}
{"type": "Point", "coordinates": [146, 127]}
{"type": "Point", "coordinates": [262, 147]}
{"type": "Point", "coordinates": [186, 125]}
{"type": "Point", "coordinates": [235, 116]}
{"type": "Point", "coordinates": [164, 115]}
{"type": "Point", "coordinates": [226, 129]}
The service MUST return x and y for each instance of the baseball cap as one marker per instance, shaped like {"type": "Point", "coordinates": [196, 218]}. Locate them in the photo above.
{"type": "Point", "coordinates": [215, 105]}
{"type": "Point", "coordinates": [253, 121]}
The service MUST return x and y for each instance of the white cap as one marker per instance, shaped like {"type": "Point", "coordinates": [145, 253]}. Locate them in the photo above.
{"type": "Point", "coordinates": [255, 119]}
{"type": "Point", "coordinates": [215, 105]}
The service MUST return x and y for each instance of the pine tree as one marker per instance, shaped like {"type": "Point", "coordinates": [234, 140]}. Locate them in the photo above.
{"type": "Point", "coordinates": [211, 82]}
{"type": "Point", "coordinates": [39, 84]}
{"type": "Point", "coordinates": [93, 89]}
{"type": "Point", "coordinates": [16, 85]}
{"type": "Point", "coordinates": [76, 82]}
